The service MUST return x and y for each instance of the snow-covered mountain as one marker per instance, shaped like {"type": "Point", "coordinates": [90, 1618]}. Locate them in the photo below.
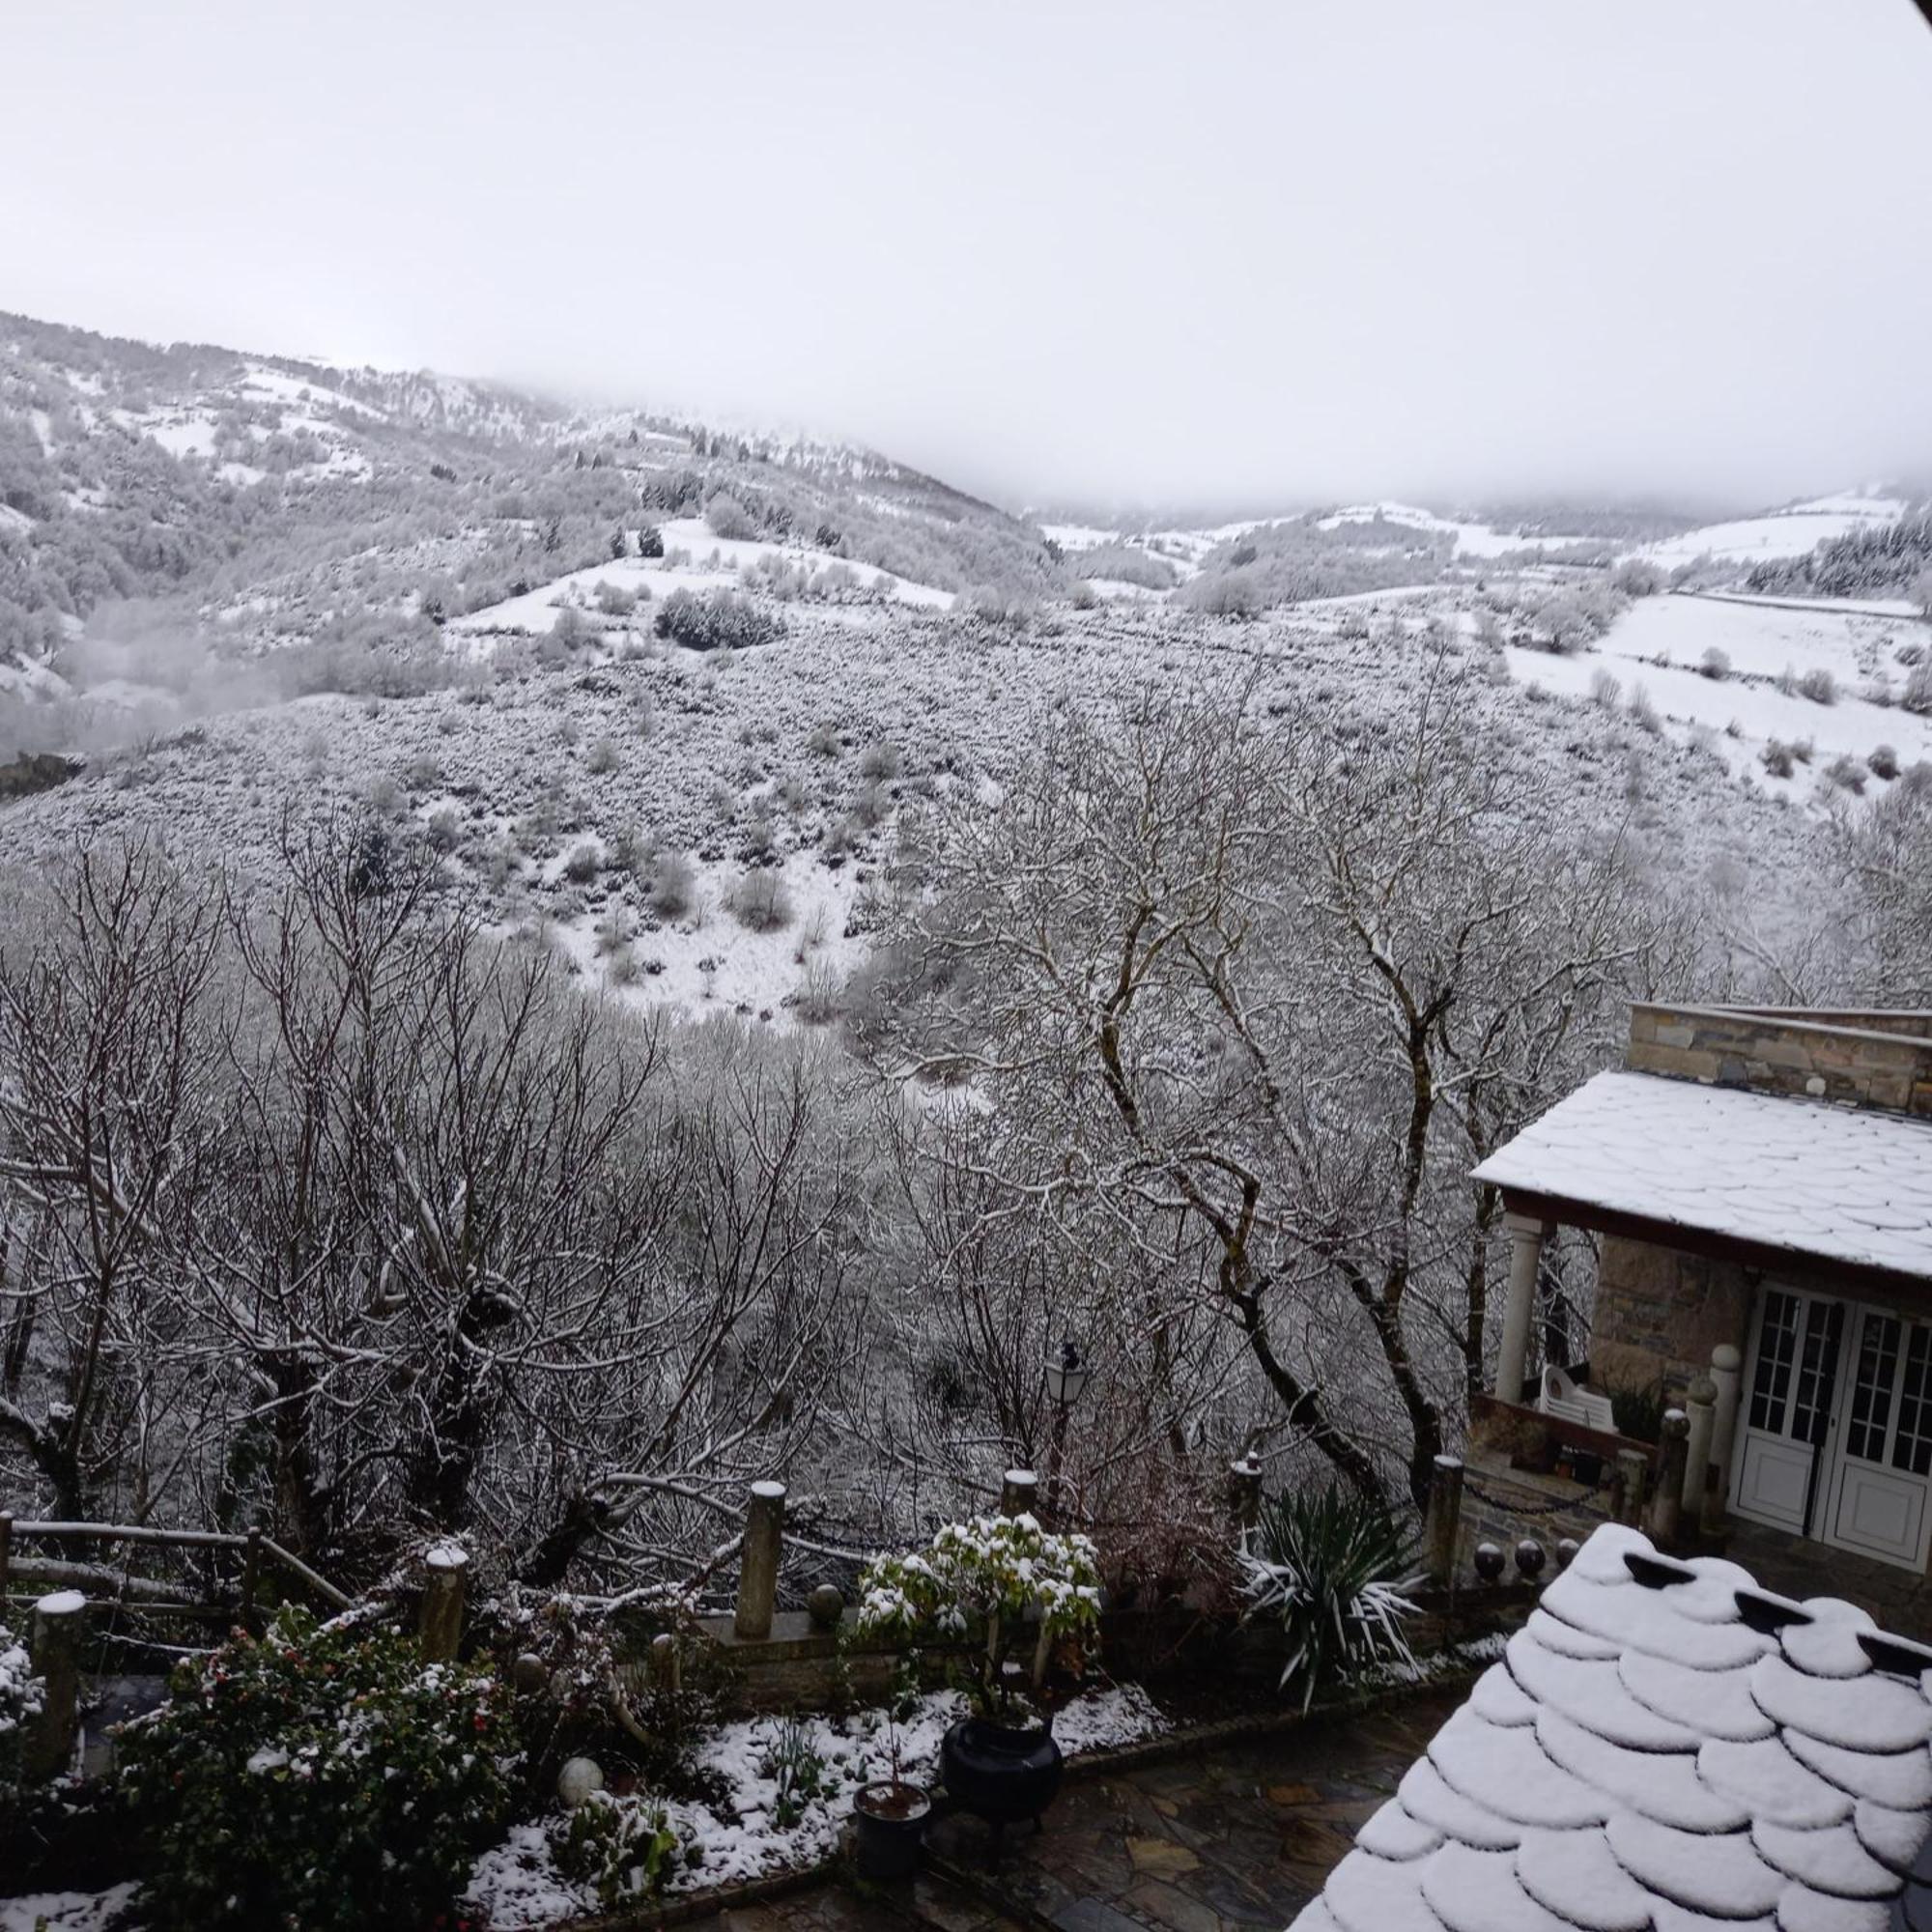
{"type": "Point", "coordinates": [231, 584]}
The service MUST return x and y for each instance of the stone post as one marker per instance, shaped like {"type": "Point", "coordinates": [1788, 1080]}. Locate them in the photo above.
{"type": "Point", "coordinates": [1632, 1466]}
{"type": "Point", "coordinates": [1019, 1493]}
{"type": "Point", "coordinates": [1726, 1372]}
{"type": "Point", "coordinates": [1244, 1497]}
{"type": "Point", "coordinates": [60, 1622]}
{"type": "Point", "coordinates": [1527, 1238]}
{"type": "Point", "coordinates": [1666, 1501]}
{"type": "Point", "coordinates": [1443, 1521]}
{"type": "Point", "coordinates": [1701, 1400]}
{"type": "Point", "coordinates": [758, 1567]}
{"type": "Point", "coordinates": [6, 1556]}
{"type": "Point", "coordinates": [446, 1583]}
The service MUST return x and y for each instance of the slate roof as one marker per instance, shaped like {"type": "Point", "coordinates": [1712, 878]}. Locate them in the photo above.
{"type": "Point", "coordinates": [1840, 1184]}
{"type": "Point", "coordinates": [1663, 1748]}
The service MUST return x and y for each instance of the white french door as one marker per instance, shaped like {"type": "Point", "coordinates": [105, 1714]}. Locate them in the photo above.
{"type": "Point", "coordinates": [1835, 1438]}
{"type": "Point", "coordinates": [1783, 1433]}
{"type": "Point", "coordinates": [1882, 1451]}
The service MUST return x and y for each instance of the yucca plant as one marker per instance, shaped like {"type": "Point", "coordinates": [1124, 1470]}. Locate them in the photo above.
{"type": "Point", "coordinates": [1334, 1567]}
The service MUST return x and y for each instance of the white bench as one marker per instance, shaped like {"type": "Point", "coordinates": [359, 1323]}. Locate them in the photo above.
{"type": "Point", "coordinates": [1570, 1401]}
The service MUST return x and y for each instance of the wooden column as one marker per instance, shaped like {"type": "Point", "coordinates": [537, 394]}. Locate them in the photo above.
{"type": "Point", "coordinates": [1443, 1521]}
{"type": "Point", "coordinates": [1019, 1493]}
{"type": "Point", "coordinates": [60, 1622]}
{"type": "Point", "coordinates": [446, 1583]}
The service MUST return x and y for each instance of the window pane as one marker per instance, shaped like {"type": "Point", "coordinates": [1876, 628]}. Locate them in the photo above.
{"type": "Point", "coordinates": [1912, 1448]}
{"type": "Point", "coordinates": [1871, 1391]}
{"type": "Point", "coordinates": [1777, 1349]}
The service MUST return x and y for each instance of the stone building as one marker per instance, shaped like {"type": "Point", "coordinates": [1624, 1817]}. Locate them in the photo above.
{"type": "Point", "coordinates": [1759, 1182]}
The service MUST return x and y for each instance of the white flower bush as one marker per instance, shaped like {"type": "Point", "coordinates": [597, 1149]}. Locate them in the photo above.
{"type": "Point", "coordinates": [987, 1575]}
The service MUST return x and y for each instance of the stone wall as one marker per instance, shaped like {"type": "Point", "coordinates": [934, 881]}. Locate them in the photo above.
{"type": "Point", "coordinates": [1661, 1312]}
{"type": "Point", "coordinates": [1886, 1062]}
{"type": "Point", "coordinates": [801, 1667]}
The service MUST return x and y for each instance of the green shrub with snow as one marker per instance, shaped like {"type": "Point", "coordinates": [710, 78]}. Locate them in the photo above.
{"type": "Point", "coordinates": [722, 620]}
{"type": "Point", "coordinates": [979, 1579]}
{"type": "Point", "coordinates": [622, 1848]}
{"type": "Point", "coordinates": [19, 1702]}
{"type": "Point", "coordinates": [319, 1778]}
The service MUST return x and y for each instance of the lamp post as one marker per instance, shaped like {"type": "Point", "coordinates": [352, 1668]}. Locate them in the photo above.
{"type": "Point", "coordinates": [1066, 1378]}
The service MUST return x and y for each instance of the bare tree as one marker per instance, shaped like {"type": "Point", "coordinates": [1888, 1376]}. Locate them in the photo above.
{"type": "Point", "coordinates": [1255, 990]}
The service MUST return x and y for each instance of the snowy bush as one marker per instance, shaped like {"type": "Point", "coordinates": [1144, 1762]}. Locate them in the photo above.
{"type": "Point", "coordinates": [19, 1702]}
{"type": "Point", "coordinates": [720, 621]}
{"type": "Point", "coordinates": [979, 1579]}
{"type": "Point", "coordinates": [1716, 665]}
{"type": "Point", "coordinates": [1334, 1568]}
{"type": "Point", "coordinates": [1605, 690]}
{"type": "Point", "coordinates": [1848, 773]}
{"type": "Point", "coordinates": [1819, 685]}
{"type": "Point", "coordinates": [761, 903]}
{"type": "Point", "coordinates": [673, 886]}
{"type": "Point", "coordinates": [1884, 762]}
{"type": "Point", "coordinates": [623, 1849]}
{"type": "Point", "coordinates": [1917, 693]}
{"type": "Point", "coordinates": [320, 1778]}
{"type": "Point", "coordinates": [725, 517]}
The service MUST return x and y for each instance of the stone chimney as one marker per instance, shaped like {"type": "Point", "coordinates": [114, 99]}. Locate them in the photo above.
{"type": "Point", "coordinates": [1880, 1060]}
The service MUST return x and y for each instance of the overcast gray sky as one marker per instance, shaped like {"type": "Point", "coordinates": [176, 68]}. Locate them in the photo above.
{"type": "Point", "coordinates": [1225, 253]}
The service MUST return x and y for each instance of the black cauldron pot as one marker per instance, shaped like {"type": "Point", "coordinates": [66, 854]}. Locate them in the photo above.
{"type": "Point", "coordinates": [999, 1773]}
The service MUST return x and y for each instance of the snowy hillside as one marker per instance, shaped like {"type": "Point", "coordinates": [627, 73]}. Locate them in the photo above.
{"type": "Point", "coordinates": [233, 584]}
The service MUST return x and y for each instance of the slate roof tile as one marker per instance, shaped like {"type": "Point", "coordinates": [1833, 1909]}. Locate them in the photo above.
{"type": "Point", "coordinates": [1701, 1777]}
{"type": "Point", "coordinates": [1839, 1184]}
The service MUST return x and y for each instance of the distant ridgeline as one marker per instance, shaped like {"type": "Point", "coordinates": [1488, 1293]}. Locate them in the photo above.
{"type": "Point", "coordinates": [289, 500]}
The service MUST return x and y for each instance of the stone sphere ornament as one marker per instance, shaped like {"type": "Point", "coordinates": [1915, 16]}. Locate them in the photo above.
{"type": "Point", "coordinates": [1488, 1562]}
{"type": "Point", "coordinates": [529, 1674]}
{"type": "Point", "coordinates": [1529, 1559]}
{"type": "Point", "coordinates": [1566, 1552]}
{"type": "Point", "coordinates": [825, 1606]}
{"type": "Point", "coordinates": [578, 1780]}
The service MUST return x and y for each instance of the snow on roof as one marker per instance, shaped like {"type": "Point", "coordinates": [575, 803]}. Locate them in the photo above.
{"type": "Point", "coordinates": [1663, 1745]}
{"type": "Point", "coordinates": [1839, 1184]}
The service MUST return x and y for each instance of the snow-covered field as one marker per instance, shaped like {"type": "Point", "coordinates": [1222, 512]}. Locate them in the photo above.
{"type": "Point", "coordinates": [1472, 540]}
{"type": "Point", "coordinates": [714, 562]}
{"type": "Point", "coordinates": [1778, 533]}
{"type": "Point", "coordinates": [1770, 654]}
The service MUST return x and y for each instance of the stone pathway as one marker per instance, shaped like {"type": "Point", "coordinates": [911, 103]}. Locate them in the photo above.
{"type": "Point", "coordinates": [1235, 1841]}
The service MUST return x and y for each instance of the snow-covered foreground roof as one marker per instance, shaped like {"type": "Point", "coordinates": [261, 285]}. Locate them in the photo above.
{"type": "Point", "coordinates": [1839, 1183]}
{"type": "Point", "coordinates": [1662, 1747]}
